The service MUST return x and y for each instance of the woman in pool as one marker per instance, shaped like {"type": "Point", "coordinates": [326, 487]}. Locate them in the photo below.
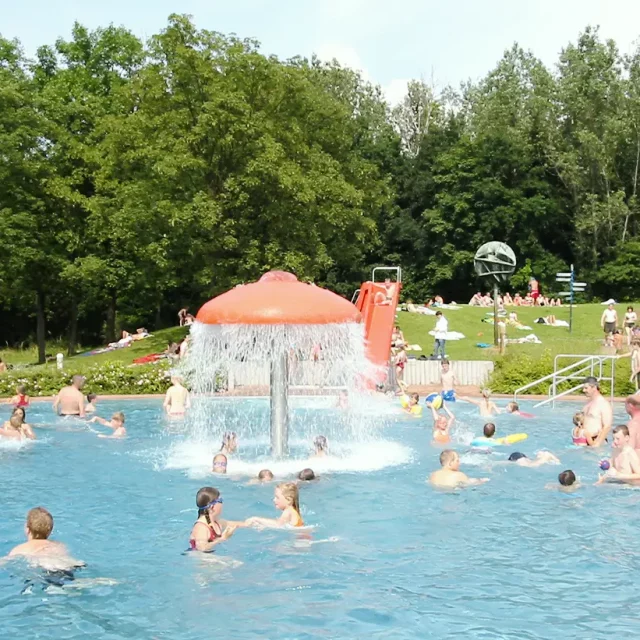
{"type": "Point", "coordinates": [229, 443]}
{"type": "Point", "coordinates": [320, 447]}
{"type": "Point", "coordinates": [286, 499]}
{"type": "Point", "coordinates": [208, 530]}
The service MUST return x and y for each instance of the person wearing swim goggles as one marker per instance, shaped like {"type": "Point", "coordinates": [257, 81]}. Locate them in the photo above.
{"type": "Point", "coordinates": [209, 529]}
{"type": "Point", "coordinates": [219, 463]}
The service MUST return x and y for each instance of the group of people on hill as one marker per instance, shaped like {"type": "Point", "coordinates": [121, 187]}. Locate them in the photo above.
{"type": "Point", "coordinates": [506, 300]}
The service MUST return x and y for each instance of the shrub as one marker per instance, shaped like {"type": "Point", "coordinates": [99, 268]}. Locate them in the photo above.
{"type": "Point", "coordinates": [107, 378]}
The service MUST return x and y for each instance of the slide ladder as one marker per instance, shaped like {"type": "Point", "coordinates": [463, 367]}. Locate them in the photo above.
{"type": "Point", "coordinates": [377, 302]}
{"type": "Point", "coordinates": [603, 368]}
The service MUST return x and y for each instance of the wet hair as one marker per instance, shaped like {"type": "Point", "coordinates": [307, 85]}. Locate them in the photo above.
{"type": "Point", "coordinates": [20, 410]}
{"type": "Point", "coordinates": [21, 389]}
{"type": "Point", "coordinates": [621, 428]}
{"type": "Point", "coordinates": [320, 443]}
{"type": "Point", "coordinates": [489, 430]}
{"type": "Point", "coordinates": [91, 397]}
{"type": "Point", "coordinates": [306, 475]}
{"type": "Point", "coordinates": [516, 455]}
{"type": "Point", "coordinates": [228, 438]}
{"type": "Point", "coordinates": [39, 523]}
{"type": "Point", "coordinates": [578, 418]}
{"type": "Point", "coordinates": [118, 415]}
{"type": "Point", "coordinates": [15, 422]}
{"type": "Point", "coordinates": [415, 396]}
{"type": "Point", "coordinates": [513, 406]}
{"type": "Point", "coordinates": [289, 491]}
{"type": "Point", "coordinates": [265, 474]}
{"type": "Point", "coordinates": [203, 498]}
{"type": "Point", "coordinates": [447, 457]}
{"type": "Point", "coordinates": [592, 381]}
{"type": "Point", "coordinates": [566, 478]}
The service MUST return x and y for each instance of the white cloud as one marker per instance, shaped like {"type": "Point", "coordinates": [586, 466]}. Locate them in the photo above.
{"type": "Point", "coordinates": [345, 55]}
{"type": "Point", "coordinates": [395, 90]}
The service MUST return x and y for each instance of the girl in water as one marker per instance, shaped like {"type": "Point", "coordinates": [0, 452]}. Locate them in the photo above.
{"type": "Point", "coordinates": [286, 499]}
{"type": "Point", "coordinates": [580, 437]}
{"type": "Point", "coordinates": [209, 530]}
{"type": "Point", "coordinates": [14, 428]}
{"type": "Point", "coordinates": [21, 399]}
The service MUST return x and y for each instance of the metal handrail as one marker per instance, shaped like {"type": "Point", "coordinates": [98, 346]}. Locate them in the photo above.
{"type": "Point", "coordinates": [548, 377]}
{"type": "Point", "coordinates": [398, 271]}
{"type": "Point", "coordinates": [559, 395]}
{"type": "Point", "coordinates": [354, 297]}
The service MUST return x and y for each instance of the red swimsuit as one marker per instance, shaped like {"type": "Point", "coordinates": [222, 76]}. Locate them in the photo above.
{"type": "Point", "coordinates": [213, 534]}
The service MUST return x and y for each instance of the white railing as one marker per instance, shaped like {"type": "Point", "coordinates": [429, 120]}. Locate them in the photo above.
{"type": "Point", "coordinates": [586, 366]}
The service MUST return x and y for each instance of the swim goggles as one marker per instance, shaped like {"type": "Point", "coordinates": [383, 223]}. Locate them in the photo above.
{"type": "Point", "coordinates": [213, 503]}
{"type": "Point", "coordinates": [219, 464]}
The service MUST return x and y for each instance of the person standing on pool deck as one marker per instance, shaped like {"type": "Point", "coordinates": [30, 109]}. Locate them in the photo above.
{"type": "Point", "coordinates": [598, 413]}
{"type": "Point", "coordinates": [70, 401]}
{"type": "Point", "coordinates": [442, 327]}
{"type": "Point", "coordinates": [448, 381]}
{"type": "Point", "coordinates": [632, 406]}
{"type": "Point", "coordinates": [177, 400]}
{"type": "Point", "coordinates": [609, 320]}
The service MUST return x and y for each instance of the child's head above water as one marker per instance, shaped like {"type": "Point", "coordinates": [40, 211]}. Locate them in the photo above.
{"type": "Point", "coordinates": [486, 393]}
{"type": "Point", "coordinates": [307, 475]}
{"type": "Point", "coordinates": [567, 478]}
{"type": "Point", "coordinates": [229, 441]}
{"type": "Point", "coordinates": [91, 397]}
{"type": "Point", "coordinates": [265, 475]}
{"type": "Point", "coordinates": [118, 416]}
{"type": "Point", "coordinates": [15, 421]}
{"type": "Point", "coordinates": [516, 455]}
{"type": "Point", "coordinates": [39, 524]}
{"type": "Point", "coordinates": [489, 430]}
{"type": "Point", "coordinates": [578, 419]}
{"type": "Point", "coordinates": [441, 422]}
{"type": "Point", "coordinates": [287, 496]}
{"type": "Point", "coordinates": [414, 399]}
{"type": "Point", "coordinates": [219, 463]}
{"type": "Point", "coordinates": [449, 459]}
{"type": "Point", "coordinates": [320, 443]}
{"type": "Point", "coordinates": [512, 407]}
{"type": "Point", "coordinates": [20, 412]}
{"type": "Point", "coordinates": [207, 500]}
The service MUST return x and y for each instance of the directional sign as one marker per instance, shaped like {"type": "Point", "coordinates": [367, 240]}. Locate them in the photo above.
{"type": "Point", "coordinates": [565, 293]}
{"type": "Point", "coordinates": [563, 279]}
{"type": "Point", "coordinates": [579, 284]}
{"type": "Point", "coordinates": [564, 275]}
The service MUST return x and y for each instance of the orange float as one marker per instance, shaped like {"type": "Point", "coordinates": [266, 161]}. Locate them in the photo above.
{"type": "Point", "coordinates": [278, 298]}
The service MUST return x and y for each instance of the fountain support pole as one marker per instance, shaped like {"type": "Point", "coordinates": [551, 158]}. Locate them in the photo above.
{"type": "Point", "coordinates": [279, 406]}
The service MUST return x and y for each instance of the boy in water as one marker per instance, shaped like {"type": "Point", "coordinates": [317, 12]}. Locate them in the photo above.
{"type": "Point", "coordinates": [450, 475]}
{"type": "Point", "coordinates": [116, 423]}
{"type": "Point", "coordinates": [91, 403]}
{"type": "Point", "coordinates": [448, 380]}
{"type": "Point", "coordinates": [542, 457]}
{"type": "Point", "coordinates": [487, 406]}
{"type": "Point", "coordinates": [568, 482]}
{"type": "Point", "coordinates": [39, 550]}
{"type": "Point", "coordinates": [624, 463]}
{"type": "Point", "coordinates": [306, 475]}
{"type": "Point", "coordinates": [219, 463]}
{"type": "Point", "coordinates": [177, 400]}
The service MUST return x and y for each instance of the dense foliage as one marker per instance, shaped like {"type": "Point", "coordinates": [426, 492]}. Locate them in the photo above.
{"type": "Point", "coordinates": [140, 177]}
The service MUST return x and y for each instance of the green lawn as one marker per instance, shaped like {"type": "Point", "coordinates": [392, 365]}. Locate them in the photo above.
{"type": "Point", "coordinates": [586, 336]}
{"type": "Point", "coordinates": [154, 344]}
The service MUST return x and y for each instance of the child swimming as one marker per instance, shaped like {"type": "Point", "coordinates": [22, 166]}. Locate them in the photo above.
{"type": "Point", "coordinates": [514, 409]}
{"type": "Point", "coordinates": [116, 423]}
{"type": "Point", "coordinates": [229, 443]}
{"type": "Point", "coordinates": [16, 429]}
{"type": "Point", "coordinates": [442, 425]}
{"type": "Point", "coordinates": [219, 463]}
{"type": "Point", "coordinates": [568, 482]}
{"type": "Point", "coordinates": [450, 475]}
{"type": "Point", "coordinates": [411, 404]}
{"type": "Point", "coordinates": [542, 457]}
{"type": "Point", "coordinates": [320, 446]}
{"type": "Point", "coordinates": [579, 435]}
{"type": "Point", "coordinates": [624, 463]}
{"type": "Point", "coordinates": [208, 530]}
{"type": "Point", "coordinates": [21, 399]}
{"type": "Point", "coordinates": [306, 475]}
{"type": "Point", "coordinates": [39, 550]}
{"type": "Point", "coordinates": [286, 499]}
{"type": "Point", "coordinates": [91, 403]}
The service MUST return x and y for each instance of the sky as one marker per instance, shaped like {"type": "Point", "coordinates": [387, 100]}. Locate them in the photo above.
{"type": "Point", "coordinates": [444, 42]}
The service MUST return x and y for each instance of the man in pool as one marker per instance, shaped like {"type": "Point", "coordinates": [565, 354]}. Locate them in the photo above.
{"type": "Point", "coordinates": [632, 406]}
{"type": "Point", "coordinates": [177, 400]}
{"type": "Point", "coordinates": [219, 463]}
{"type": "Point", "coordinates": [624, 463]}
{"type": "Point", "coordinates": [70, 401]}
{"type": "Point", "coordinates": [542, 457]}
{"type": "Point", "coordinates": [598, 414]}
{"type": "Point", "coordinates": [450, 475]}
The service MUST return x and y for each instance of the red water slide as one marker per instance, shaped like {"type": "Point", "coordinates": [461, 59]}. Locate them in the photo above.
{"type": "Point", "coordinates": [377, 302]}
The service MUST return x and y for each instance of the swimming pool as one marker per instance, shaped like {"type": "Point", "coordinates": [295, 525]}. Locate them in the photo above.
{"type": "Point", "coordinates": [509, 559]}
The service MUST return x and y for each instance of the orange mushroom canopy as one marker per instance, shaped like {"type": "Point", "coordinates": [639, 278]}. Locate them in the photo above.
{"type": "Point", "coordinates": [278, 298]}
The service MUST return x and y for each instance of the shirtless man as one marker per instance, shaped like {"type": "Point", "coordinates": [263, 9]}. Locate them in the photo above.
{"type": "Point", "coordinates": [448, 381]}
{"type": "Point", "coordinates": [625, 464]}
{"type": "Point", "coordinates": [450, 476]}
{"type": "Point", "coordinates": [177, 400]}
{"type": "Point", "coordinates": [70, 401]}
{"type": "Point", "coordinates": [632, 405]}
{"type": "Point", "coordinates": [598, 413]}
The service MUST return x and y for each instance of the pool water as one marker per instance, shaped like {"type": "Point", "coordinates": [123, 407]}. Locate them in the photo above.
{"type": "Point", "coordinates": [388, 557]}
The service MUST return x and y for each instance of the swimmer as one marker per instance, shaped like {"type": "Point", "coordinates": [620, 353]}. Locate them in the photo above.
{"type": "Point", "coordinates": [450, 475]}
{"type": "Point", "coordinates": [116, 423]}
{"type": "Point", "coordinates": [486, 405]}
{"type": "Point", "coordinates": [91, 403]}
{"type": "Point", "coordinates": [286, 499]}
{"type": "Point", "coordinates": [542, 457]}
{"type": "Point", "coordinates": [624, 463]}
{"type": "Point", "coordinates": [320, 447]}
{"type": "Point", "coordinates": [448, 381]}
{"type": "Point", "coordinates": [568, 482]}
{"type": "Point", "coordinates": [411, 404]}
{"type": "Point", "coordinates": [208, 530]}
{"type": "Point", "coordinates": [26, 429]}
{"type": "Point", "coordinates": [442, 425]}
{"type": "Point", "coordinates": [39, 550]}
{"type": "Point", "coordinates": [219, 463]}
{"type": "Point", "coordinates": [16, 429]}
{"type": "Point", "coordinates": [229, 443]}
{"type": "Point", "coordinates": [514, 409]}
{"type": "Point", "coordinates": [306, 475]}
{"type": "Point", "coordinates": [70, 401]}
{"type": "Point", "coordinates": [177, 400]}
{"type": "Point", "coordinates": [21, 399]}
{"type": "Point", "coordinates": [264, 476]}
{"type": "Point", "coordinates": [580, 436]}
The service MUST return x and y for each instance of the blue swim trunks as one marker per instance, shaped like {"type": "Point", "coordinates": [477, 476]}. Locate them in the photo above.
{"type": "Point", "coordinates": [449, 396]}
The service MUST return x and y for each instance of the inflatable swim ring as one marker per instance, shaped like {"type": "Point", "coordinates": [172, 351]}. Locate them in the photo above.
{"type": "Point", "coordinates": [496, 442]}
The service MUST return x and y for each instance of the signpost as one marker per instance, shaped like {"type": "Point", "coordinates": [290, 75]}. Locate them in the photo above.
{"type": "Point", "coordinates": [574, 287]}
